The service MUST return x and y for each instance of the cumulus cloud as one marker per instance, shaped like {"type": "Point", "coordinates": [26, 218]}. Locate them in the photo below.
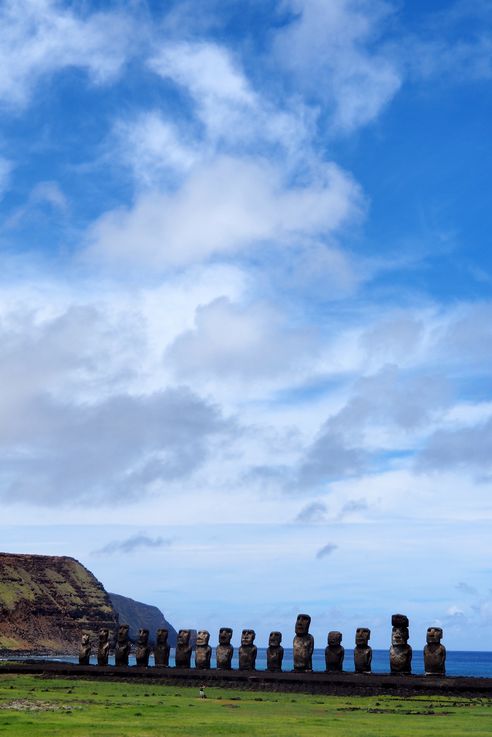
{"type": "Point", "coordinates": [334, 49]}
{"type": "Point", "coordinates": [42, 37]}
{"type": "Point", "coordinates": [131, 544]}
{"type": "Point", "coordinates": [326, 550]}
{"type": "Point", "coordinates": [234, 341]}
{"type": "Point", "coordinates": [235, 204]}
{"type": "Point", "coordinates": [466, 448]}
{"type": "Point", "coordinates": [312, 513]}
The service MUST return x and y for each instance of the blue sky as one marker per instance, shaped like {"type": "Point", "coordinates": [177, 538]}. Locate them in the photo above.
{"type": "Point", "coordinates": [245, 306]}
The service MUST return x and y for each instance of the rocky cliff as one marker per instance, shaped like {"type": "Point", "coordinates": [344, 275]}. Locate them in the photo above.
{"type": "Point", "coordinates": [47, 601]}
{"type": "Point", "coordinates": [137, 615]}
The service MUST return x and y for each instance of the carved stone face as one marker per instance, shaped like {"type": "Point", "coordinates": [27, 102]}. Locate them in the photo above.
{"type": "Point", "coordinates": [275, 639]}
{"type": "Point", "coordinates": [183, 637]}
{"type": "Point", "coordinates": [399, 636]}
{"type": "Point", "coordinates": [362, 635]}
{"type": "Point", "coordinates": [247, 637]}
{"type": "Point", "coordinates": [202, 638]}
{"type": "Point", "coordinates": [85, 639]}
{"type": "Point", "coordinates": [302, 624]}
{"type": "Point", "coordinates": [162, 635]}
{"type": "Point", "coordinates": [434, 635]}
{"type": "Point", "coordinates": [103, 635]}
{"type": "Point", "coordinates": [334, 638]}
{"type": "Point", "coordinates": [225, 636]}
{"type": "Point", "coordinates": [123, 633]}
{"type": "Point", "coordinates": [143, 636]}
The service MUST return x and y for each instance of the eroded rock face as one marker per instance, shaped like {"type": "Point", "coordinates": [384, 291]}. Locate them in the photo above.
{"type": "Point", "coordinates": [224, 650]}
{"type": "Point", "coordinates": [85, 650]}
{"type": "Point", "coordinates": [362, 650]}
{"type": "Point", "coordinates": [183, 649]}
{"type": "Point", "coordinates": [275, 652]}
{"type": "Point", "coordinates": [434, 653]}
{"type": "Point", "coordinates": [103, 647]}
{"type": "Point", "coordinates": [161, 650]}
{"type": "Point", "coordinates": [303, 644]}
{"type": "Point", "coordinates": [142, 653]}
{"type": "Point", "coordinates": [203, 651]}
{"type": "Point", "coordinates": [122, 647]}
{"type": "Point", "coordinates": [400, 650]}
{"type": "Point", "coordinates": [247, 651]}
{"type": "Point", "coordinates": [334, 652]}
{"type": "Point", "coordinates": [47, 601]}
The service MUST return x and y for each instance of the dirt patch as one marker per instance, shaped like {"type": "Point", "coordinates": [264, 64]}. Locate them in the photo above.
{"type": "Point", "coordinates": [27, 705]}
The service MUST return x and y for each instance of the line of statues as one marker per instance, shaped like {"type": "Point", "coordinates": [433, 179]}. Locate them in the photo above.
{"type": "Point", "coordinates": [400, 654]}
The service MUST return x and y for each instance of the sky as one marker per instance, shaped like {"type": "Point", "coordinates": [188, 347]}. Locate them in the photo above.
{"type": "Point", "coordinates": [246, 307]}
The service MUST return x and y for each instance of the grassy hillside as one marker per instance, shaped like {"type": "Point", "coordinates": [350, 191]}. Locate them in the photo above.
{"type": "Point", "coordinates": [47, 601]}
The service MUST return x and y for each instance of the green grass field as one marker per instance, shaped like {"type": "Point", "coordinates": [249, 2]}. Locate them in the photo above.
{"type": "Point", "coordinates": [40, 707]}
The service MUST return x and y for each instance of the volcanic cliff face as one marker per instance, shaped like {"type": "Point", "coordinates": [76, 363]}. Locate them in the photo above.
{"type": "Point", "coordinates": [46, 602]}
{"type": "Point", "coordinates": [137, 615]}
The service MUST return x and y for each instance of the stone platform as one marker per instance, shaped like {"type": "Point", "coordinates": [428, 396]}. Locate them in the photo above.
{"type": "Point", "coordinates": [309, 683]}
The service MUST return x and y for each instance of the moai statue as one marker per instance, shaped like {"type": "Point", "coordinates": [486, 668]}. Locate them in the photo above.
{"type": "Point", "coordinates": [247, 651]}
{"type": "Point", "coordinates": [123, 646]}
{"type": "Point", "coordinates": [85, 650]}
{"type": "Point", "coordinates": [275, 652]}
{"type": "Point", "coordinates": [362, 650]}
{"type": "Point", "coordinates": [143, 650]}
{"type": "Point", "coordinates": [183, 649]}
{"type": "Point", "coordinates": [161, 650]}
{"type": "Point", "coordinates": [400, 650]}
{"type": "Point", "coordinates": [303, 644]}
{"type": "Point", "coordinates": [203, 651]}
{"type": "Point", "coordinates": [334, 652]}
{"type": "Point", "coordinates": [224, 649]}
{"type": "Point", "coordinates": [434, 653]}
{"type": "Point", "coordinates": [103, 647]}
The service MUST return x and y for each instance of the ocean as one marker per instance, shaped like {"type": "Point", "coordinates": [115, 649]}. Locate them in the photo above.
{"type": "Point", "coordinates": [458, 662]}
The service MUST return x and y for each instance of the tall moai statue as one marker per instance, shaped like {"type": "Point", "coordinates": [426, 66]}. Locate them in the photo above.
{"type": "Point", "coordinates": [103, 647]}
{"type": "Point", "coordinates": [183, 649]}
{"type": "Point", "coordinates": [203, 652]}
{"type": "Point", "coordinates": [275, 652]}
{"type": "Point", "coordinates": [303, 644]}
{"type": "Point", "coordinates": [85, 650]}
{"type": "Point", "coordinates": [248, 650]}
{"type": "Point", "coordinates": [334, 652]}
{"type": "Point", "coordinates": [123, 646]}
{"type": "Point", "coordinates": [142, 653]}
{"type": "Point", "coordinates": [161, 649]}
{"type": "Point", "coordinates": [224, 650]}
{"type": "Point", "coordinates": [362, 650]}
{"type": "Point", "coordinates": [434, 653]}
{"type": "Point", "coordinates": [400, 650]}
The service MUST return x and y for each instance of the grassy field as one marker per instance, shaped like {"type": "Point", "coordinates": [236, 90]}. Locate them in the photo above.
{"type": "Point", "coordinates": [39, 707]}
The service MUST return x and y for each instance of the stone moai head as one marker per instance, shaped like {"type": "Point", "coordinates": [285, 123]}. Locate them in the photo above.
{"type": "Point", "coordinates": [123, 632]}
{"type": "Point", "coordinates": [225, 636]}
{"type": "Point", "coordinates": [302, 624]}
{"type": "Point", "coordinates": [399, 634]}
{"type": "Point", "coordinates": [162, 635]}
{"type": "Point", "coordinates": [275, 639]}
{"type": "Point", "coordinates": [103, 635]}
{"type": "Point", "coordinates": [85, 640]}
{"type": "Point", "coordinates": [362, 636]}
{"type": "Point", "coordinates": [202, 638]}
{"type": "Point", "coordinates": [434, 635]}
{"type": "Point", "coordinates": [334, 638]}
{"type": "Point", "coordinates": [247, 637]}
{"type": "Point", "coordinates": [184, 637]}
{"type": "Point", "coordinates": [143, 636]}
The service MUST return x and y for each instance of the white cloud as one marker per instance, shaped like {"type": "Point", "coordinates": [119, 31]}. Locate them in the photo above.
{"type": "Point", "coordinates": [227, 206]}
{"type": "Point", "coordinates": [333, 48]}
{"type": "Point", "coordinates": [40, 37]}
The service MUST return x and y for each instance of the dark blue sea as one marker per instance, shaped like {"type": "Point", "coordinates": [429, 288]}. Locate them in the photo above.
{"type": "Point", "coordinates": [458, 663]}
